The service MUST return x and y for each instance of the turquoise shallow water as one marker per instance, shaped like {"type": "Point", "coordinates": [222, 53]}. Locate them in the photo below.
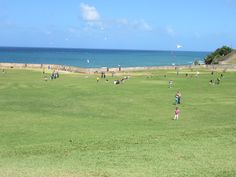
{"type": "Point", "coordinates": [90, 58]}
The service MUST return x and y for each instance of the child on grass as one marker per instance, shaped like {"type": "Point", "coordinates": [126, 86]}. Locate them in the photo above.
{"type": "Point", "coordinates": [177, 111]}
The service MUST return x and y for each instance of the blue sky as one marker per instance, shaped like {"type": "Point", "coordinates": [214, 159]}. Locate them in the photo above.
{"type": "Point", "coordinates": [198, 25]}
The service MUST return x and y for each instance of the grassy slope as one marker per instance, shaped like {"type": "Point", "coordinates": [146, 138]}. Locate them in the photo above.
{"type": "Point", "coordinates": [229, 59]}
{"type": "Point", "coordinates": [73, 126]}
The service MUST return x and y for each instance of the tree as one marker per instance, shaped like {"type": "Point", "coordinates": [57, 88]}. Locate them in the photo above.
{"type": "Point", "coordinates": [196, 62]}
{"type": "Point", "coordinates": [213, 58]}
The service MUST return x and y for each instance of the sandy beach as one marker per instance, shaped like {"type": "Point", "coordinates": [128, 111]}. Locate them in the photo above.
{"type": "Point", "coordinates": [74, 69]}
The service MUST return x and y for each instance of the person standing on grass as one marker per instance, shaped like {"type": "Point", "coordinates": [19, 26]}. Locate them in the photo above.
{"type": "Point", "coordinates": [177, 111]}
{"type": "Point", "coordinates": [170, 83]}
{"type": "Point", "coordinates": [178, 97]}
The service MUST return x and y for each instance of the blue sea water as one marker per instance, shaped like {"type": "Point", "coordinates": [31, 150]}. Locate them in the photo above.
{"type": "Point", "coordinates": [95, 58]}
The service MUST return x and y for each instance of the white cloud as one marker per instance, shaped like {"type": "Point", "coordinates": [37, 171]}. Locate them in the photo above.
{"type": "Point", "coordinates": [93, 21]}
{"type": "Point", "coordinates": [89, 13]}
{"type": "Point", "coordinates": [92, 18]}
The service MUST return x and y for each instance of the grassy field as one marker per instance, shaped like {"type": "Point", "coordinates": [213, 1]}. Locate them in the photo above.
{"type": "Point", "coordinates": [74, 126]}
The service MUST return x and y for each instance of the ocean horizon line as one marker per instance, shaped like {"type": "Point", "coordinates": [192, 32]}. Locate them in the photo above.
{"type": "Point", "coordinates": [111, 49]}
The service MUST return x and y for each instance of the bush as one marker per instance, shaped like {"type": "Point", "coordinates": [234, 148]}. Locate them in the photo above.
{"type": "Point", "coordinates": [220, 52]}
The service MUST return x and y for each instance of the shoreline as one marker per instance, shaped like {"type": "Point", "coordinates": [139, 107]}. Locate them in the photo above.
{"type": "Point", "coordinates": [75, 69]}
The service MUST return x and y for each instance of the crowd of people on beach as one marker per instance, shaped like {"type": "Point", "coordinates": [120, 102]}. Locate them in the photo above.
{"type": "Point", "coordinates": [120, 81]}
{"type": "Point", "coordinates": [54, 75]}
{"type": "Point", "coordinates": [115, 82]}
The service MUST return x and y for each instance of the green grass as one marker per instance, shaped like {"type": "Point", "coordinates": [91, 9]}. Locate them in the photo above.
{"type": "Point", "coordinates": [73, 126]}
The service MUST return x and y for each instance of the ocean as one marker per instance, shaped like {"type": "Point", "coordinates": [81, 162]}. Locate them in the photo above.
{"type": "Point", "coordinates": [96, 58]}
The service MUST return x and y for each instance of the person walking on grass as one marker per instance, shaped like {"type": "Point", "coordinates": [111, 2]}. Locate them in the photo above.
{"type": "Point", "coordinates": [177, 111]}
